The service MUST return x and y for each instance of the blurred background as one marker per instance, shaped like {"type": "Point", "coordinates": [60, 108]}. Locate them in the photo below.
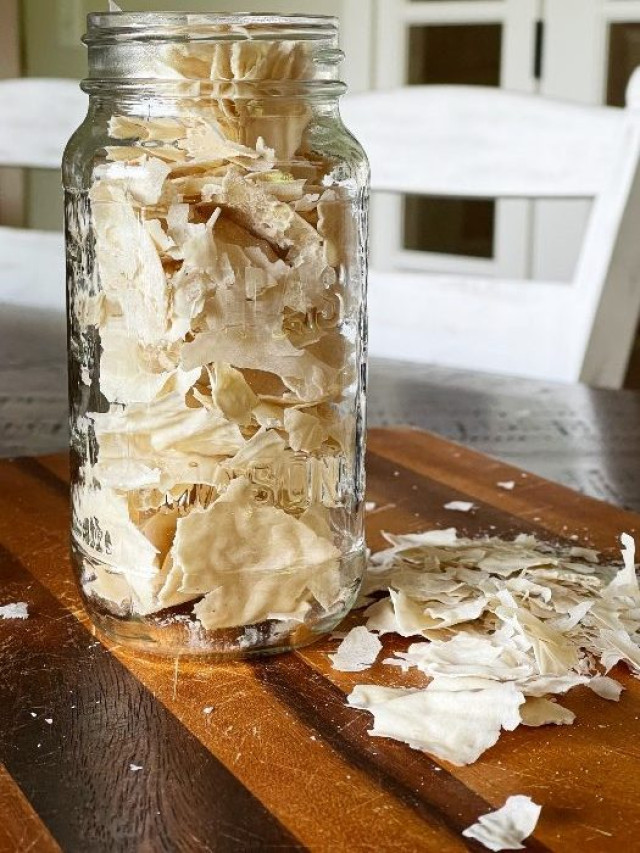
{"type": "Point", "coordinates": [581, 51]}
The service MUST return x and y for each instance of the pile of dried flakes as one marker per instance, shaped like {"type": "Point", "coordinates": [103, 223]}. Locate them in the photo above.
{"type": "Point", "coordinates": [507, 626]}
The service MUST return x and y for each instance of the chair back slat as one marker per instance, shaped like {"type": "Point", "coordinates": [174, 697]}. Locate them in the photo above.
{"type": "Point", "coordinates": [481, 142]}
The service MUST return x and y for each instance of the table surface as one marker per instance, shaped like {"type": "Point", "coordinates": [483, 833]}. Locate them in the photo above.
{"type": "Point", "coordinates": [281, 762]}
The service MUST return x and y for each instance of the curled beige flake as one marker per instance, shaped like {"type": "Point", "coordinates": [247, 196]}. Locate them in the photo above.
{"type": "Point", "coordinates": [109, 586]}
{"type": "Point", "coordinates": [358, 651]}
{"type": "Point", "coordinates": [156, 129]}
{"type": "Point", "coordinates": [309, 378]}
{"type": "Point", "coordinates": [381, 617]}
{"type": "Point", "coordinates": [538, 711]}
{"type": "Point", "coordinates": [605, 687]}
{"type": "Point", "coordinates": [454, 725]}
{"type": "Point", "coordinates": [248, 559]}
{"type": "Point", "coordinates": [232, 394]}
{"type": "Point", "coordinates": [263, 448]}
{"type": "Point", "coordinates": [335, 225]}
{"type": "Point", "coordinates": [141, 181]}
{"type": "Point", "coordinates": [306, 431]}
{"type": "Point", "coordinates": [130, 270]}
{"type": "Point", "coordinates": [554, 653]}
{"type": "Point", "coordinates": [112, 539]}
{"type": "Point", "coordinates": [506, 828]}
{"type": "Point", "coordinates": [129, 372]}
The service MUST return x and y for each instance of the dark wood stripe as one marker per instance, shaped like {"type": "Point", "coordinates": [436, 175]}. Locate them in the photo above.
{"type": "Point", "coordinates": [425, 498]}
{"type": "Point", "coordinates": [411, 777]}
{"type": "Point", "coordinates": [439, 797]}
{"type": "Point", "coordinates": [76, 771]}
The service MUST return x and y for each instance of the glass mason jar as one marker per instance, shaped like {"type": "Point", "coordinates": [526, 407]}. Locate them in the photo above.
{"type": "Point", "coordinates": [216, 212]}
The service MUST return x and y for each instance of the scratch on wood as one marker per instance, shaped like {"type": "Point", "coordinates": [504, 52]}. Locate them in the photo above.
{"type": "Point", "coordinates": [175, 676]}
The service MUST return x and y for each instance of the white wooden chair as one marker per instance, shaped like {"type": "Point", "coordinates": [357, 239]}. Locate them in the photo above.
{"type": "Point", "coordinates": [480, 142]}
{"type": "Point", "coordinates": [37, 117]}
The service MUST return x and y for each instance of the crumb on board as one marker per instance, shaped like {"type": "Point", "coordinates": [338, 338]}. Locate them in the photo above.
{"type": "Point", "coordinates": [460, 506]}
{"type": "Point", "coordinates": [16, 610]}
{"type": "Point", "coordinates": [506, 828]}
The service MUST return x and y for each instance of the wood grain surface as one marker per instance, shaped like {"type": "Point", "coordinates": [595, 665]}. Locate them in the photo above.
{"type": "Point", "coordinates": [281, 762]}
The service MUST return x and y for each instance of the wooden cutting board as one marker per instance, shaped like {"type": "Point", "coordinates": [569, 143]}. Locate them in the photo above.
{"type": "Point", "coordinates": [280, 761]}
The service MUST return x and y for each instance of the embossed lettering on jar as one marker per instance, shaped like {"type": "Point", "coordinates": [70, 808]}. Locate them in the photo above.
{"type": "Point", "coordinates": [216, 231]}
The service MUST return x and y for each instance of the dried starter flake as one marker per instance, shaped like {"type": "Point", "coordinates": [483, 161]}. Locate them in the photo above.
{"type": "Point", "coordinates": [625, 583]}
{"type": "Point", "coordinates": [116, 542]}
{"type": "Point", "coordinates": [382, 617]}
{"type": "Point", "coordinates": [232, 394]}
{"type": "Point", "coordinates": [538, 711]}
{"type": "Point", "coordinates": [454, 725]}
{"type": "Point", "coordinates": [508, 827]}
{"type": "Point", "coordinates": [587, 554]}
{"type": "Point", "coordinates": [142, 181]}
{"type": "Point", "coordinates": [307, 432]}
{"type": "Point", "coordinates": [131, 273]}
{"type": "Point", "coordinates": [249, 559]}
{"type": "Point", "coordinates": [128, 372]}
{"type": "Point", "coordinates": [616, 646]}
{"type": "Point", "coordinates": [357, 651]}
{"type": "Point", "coordinates": [468, 654]}
{"type": "Point", "coordinates": [554, 653]}
{"type": "Point", "coordinates": [109, 586]}
{"type": "Point", "coordinates": [605, 687]}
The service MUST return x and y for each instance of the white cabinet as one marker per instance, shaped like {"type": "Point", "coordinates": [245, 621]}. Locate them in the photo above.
{"type": "Point", "coordinates": [577, 50]}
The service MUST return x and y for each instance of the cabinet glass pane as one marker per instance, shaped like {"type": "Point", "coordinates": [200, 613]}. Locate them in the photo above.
{"type": "Point", "coordinates": [450, 226]}
{"type": "Point", "coordinates": [455, 53]}
{"type": "Point", "coordinates": [463, 54]}
{"type": "Point", "coordinates": [624, 56]}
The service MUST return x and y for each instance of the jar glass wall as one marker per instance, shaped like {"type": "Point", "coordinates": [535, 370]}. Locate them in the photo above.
{"type": "Point", "coordinates": [216, 236]}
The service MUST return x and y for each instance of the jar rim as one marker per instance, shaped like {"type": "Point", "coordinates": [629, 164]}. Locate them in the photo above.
{"type": "Point", "coordinates": [196, 26]}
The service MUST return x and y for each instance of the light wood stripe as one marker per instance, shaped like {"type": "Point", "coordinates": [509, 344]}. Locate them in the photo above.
{"type": "Point", "coordinates": [560, 511]}
{"type": "Point", "coordinates": [255, 735]}
{"type": "Point", "coordinates": [20, 828]}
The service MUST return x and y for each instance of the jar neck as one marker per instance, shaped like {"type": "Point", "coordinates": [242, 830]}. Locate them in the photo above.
{"type": "Point", "coordinates": [214, 56]}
